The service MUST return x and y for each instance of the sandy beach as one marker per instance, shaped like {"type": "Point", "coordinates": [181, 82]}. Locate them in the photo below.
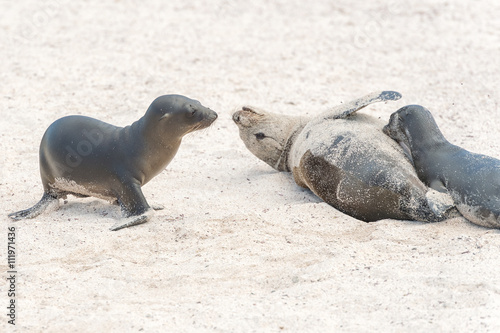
{"type": "Point", "coordinates": [239, 246]}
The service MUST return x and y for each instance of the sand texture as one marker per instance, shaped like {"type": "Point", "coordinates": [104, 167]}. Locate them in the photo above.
{"type": "Point", "coordinates": [240, 247]}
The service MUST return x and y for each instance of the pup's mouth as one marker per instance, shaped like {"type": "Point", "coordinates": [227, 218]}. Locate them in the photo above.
{"type": "Point", "coordinates": [387, 130]}
{"type": "Point", "coordinates": [205, 122]}
{"type": "Point", "coordinates": [391, 129]}
{"type": "Point", "coordinates": [393, 134]}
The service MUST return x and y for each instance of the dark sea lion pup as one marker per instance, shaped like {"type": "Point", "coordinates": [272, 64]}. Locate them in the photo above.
{"type": "Point", "coordinates": [344, 158]}
{"type": "Point", "coordinates": [85, 157]}
{"type": "Point", "coordinates": [472, 180]}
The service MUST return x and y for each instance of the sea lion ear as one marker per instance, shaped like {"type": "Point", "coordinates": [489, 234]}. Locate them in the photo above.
{"type": "Point", "coordinates": [166, 115]}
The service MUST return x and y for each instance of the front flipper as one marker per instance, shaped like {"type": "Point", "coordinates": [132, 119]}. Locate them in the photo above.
{"type": "Point", "coordinates": [344, 110]}
{"type": "Point", "coordinates": [134, 206]}
{"type": "Point", "coordinates": [36, 210]}
{"type": "Point", "coordinates": [133, 220]}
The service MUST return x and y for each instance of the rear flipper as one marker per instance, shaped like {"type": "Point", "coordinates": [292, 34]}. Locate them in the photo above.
{"type": "Point", "coordinates": [430, 206]}
{"type": "Point", "coordinates": [439, 202]}
{"type": "Point", "coordinates": [37, 209]}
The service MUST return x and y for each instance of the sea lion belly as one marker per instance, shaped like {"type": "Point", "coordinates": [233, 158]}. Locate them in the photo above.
{"type": "Point", "coordinates": [353, 166]}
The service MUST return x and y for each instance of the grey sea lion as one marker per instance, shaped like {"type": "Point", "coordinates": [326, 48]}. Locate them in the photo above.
{"type": "Point", "coordinates": [343, 157]}
{"type": "Point", "coordinates": [84, 157]}
{"type": "Point", "coordinates": [472, 180]}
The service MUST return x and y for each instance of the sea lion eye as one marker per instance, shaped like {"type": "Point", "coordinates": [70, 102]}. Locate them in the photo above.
{"type": "Point", "coordinates": [259, 136]}
{"type": "Point", "coordinates": [192, 110]}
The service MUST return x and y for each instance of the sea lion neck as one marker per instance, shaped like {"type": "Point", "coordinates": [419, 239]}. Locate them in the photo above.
{"type": "Point", "coordinates": [283, 161]}
{"type": "Point", "coordinates": [150, 147]}
{"type": "Point", "coordinates": [155, 135]}
{"type": "Point", "coordinates": [423, 132]}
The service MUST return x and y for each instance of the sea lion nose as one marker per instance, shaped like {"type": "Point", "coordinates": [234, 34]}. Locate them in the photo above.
{"type": "Point", "coordinates": [213, 115]}
{"type": "Point", "coordinates": [236, 116]}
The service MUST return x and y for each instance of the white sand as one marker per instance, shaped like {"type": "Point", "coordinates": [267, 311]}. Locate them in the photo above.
{"type": "Point", "coordinates": [239, 247]}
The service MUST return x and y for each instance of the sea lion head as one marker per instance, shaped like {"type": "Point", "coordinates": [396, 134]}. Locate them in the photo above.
{"type": "Point", "coordinates": [396, 126]}
{"type": "Point", "coordinates": [267, 135]}
{"type": "Point", "coordinates": [178, 115]}
{"type": "Point", "coordinates": [414, 128]}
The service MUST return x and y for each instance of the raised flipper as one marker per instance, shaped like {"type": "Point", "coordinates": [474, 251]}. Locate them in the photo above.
{"type": "Point", "coordinates": [36, 210]}
{"type": "Point", "coordinates": [344, 110]}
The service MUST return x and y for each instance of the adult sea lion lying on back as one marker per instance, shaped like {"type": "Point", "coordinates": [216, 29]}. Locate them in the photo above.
{"type": "Point", "coordinates": [344, 158]}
